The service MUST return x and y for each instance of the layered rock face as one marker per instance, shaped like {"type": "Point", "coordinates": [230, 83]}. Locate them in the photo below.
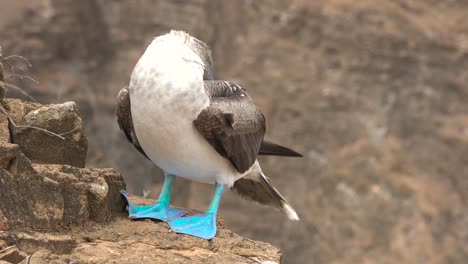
{"type": "Point", "coordinates": [53, 210]}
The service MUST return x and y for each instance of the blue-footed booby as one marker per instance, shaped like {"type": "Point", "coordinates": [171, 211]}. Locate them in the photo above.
{"type": "Point", "coordinates": [195, 127]}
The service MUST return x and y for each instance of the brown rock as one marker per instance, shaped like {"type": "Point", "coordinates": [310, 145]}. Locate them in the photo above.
{"type": "Point", "coordinates": [12, 255]}
{"type": "Point", "coordinates": [36, 241]}
{"type": "Point", "coordinates": [91, 193]}
{"type": "Point", "coordinates": [126, 241]}
{"type": "Point", "coordinates": [57, 197]}
{"type": "Point", "coordinates": [3, 223]}
{"type": "Point", "coordinates": [44, 256]}
{"type": "Point", "coordinates": [2, 84]}
{"type": "Point", "coordinates": [13, 161]}
{"type": "Point", "coordinates": [8, 154]}
{"type": "Point", "coordinates": [4, 130]}
{"type": "Point", "coordinates": [43, 147]}
{"type": "Point", "coordinates": [50, 197]}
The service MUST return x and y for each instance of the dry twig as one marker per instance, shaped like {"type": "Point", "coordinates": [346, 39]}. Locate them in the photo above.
{"type": "Point", "coordinates": [9, 85]}
{"type": "Point", "coordinates": [13, 67]}
{"type": "Point", "coordinates": [14, 74]}
{"type": "Point", "coordinates": [7, 248]}
{"type": "Point", "coordinates": [70, 131]}
{"type": "Point", "coordinates": [21, 77]}
{"type": "Point", "coordinates": [28, 258]}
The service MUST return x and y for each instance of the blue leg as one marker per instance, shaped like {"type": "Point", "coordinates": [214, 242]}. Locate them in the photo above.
{"type": "Point", "coordinates": [200, 225]}
{"type": "Point", "coordinates": [160, 210]}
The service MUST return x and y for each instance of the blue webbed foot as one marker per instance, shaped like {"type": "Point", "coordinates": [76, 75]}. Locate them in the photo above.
{"type": "Point", "coordinates": [199, 225]}
{"type": "Point", "coordinates": [157, 210]}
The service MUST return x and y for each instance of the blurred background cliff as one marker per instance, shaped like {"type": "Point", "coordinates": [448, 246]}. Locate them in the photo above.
{"type": "Point", "coordinates": [373, 93]}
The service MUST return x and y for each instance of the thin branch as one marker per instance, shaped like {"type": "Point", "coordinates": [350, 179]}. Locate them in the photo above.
{"type": "Point", "coordinates": [13, 73]}
{"type": "Point", "coordinates": [28, 258]}
{"type": "Point", "coordinates": [12, 68]}
{"type": "Point", "coordinates": [9, 85]}
{"type": "Point", "coordinates": [68, 132]}
{"type": "Point", "coordinates": [7, 248]}
{"type": "Point", "coordinates": [21, 77]}
{"type": "Point", "coordinates": [23, 59]}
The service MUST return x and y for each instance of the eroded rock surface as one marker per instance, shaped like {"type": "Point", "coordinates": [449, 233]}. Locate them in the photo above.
{"type": "Point", "coordinates": [124, 241]}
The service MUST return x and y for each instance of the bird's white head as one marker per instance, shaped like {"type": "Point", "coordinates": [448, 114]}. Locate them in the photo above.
{"type": "Point", "coordinates": [179, 44]}
{"type": "Point", "coordinates": [171, 72]}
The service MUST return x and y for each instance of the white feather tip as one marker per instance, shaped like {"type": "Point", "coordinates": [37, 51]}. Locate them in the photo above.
{"type": "Point", "coordinates": [292, 215]}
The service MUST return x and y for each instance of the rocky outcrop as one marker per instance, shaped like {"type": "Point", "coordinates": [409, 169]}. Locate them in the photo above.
{"type": "Point", "coordinates": [61, 119]}
{"type": "Point", "coordinates": [373, 93]}
{"type": "Point", "coordinates": [128, 241]}
{"type": "Point", "coordinates": [146, 241]}
{"type": "Point", "coordinates": [54, 211]}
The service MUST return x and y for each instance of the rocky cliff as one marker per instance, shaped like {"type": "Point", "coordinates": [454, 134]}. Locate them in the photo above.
{"type": "Point", "coordinates": [53, 210]}
{"type": "Point", "coordinates": [373, 92]}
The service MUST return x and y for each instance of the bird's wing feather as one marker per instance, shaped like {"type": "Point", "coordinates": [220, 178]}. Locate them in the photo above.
{"type": "Point", "coordinates": [124, 118]}
{"type": "Point", "coordinates": [232, 124]}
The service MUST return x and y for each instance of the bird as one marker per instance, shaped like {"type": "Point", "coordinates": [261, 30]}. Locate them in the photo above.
{"type": "Point", "coordinates": [190, 125]}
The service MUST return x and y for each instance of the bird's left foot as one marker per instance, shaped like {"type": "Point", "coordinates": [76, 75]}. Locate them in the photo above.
{"type": "Point", "coordinates": [199, 225]}
{"type": "Point", "coordinates": [158, 211]}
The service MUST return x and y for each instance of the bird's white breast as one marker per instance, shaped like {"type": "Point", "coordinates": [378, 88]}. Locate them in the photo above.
{"type": "Point", "coordinates": [166, 95]}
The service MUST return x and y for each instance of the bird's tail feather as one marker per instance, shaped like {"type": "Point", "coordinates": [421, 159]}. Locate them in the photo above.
{"type": "Point", "coordinates": [269, 148]}
{"type": "Point", "coordinates": [258, 187]}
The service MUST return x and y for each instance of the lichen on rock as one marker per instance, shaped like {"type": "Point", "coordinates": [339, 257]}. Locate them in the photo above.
{"type": "Point", "coordinates": [62, 119]}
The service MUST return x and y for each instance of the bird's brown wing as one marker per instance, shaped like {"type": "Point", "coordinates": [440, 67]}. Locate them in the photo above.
{"type": "Point", "coordinates": [124, 118]}
{"type": "Point", "coordinates": [232, 124]}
